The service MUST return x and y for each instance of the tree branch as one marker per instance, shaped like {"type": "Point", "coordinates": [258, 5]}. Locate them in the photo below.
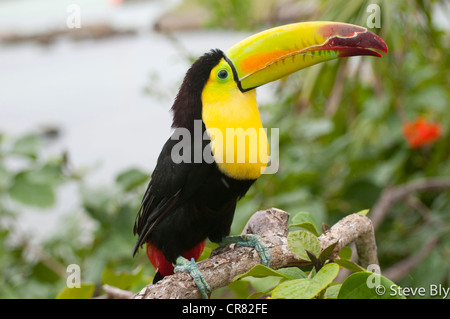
{"type": "Point", "coordinates": [353, 228]}
{"type": "Point", "coordinates": [114, 292]}
{"type": "Point", "coordinates": [391, 195]}
{"type": "Point", "coordinates": [272, 225]}
{"type": "Point", "coordinates": [404, 267]}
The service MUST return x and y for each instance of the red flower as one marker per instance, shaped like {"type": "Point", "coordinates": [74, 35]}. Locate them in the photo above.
{"type": "Point", "coordinates": [421, 132]}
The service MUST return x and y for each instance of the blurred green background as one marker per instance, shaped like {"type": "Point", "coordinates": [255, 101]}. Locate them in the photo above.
{"type": "Point", "coordinates": [341, 145]}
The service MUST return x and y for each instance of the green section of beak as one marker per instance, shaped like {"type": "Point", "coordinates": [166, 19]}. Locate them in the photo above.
{"type": "Point", "coordinates": [277, 52]}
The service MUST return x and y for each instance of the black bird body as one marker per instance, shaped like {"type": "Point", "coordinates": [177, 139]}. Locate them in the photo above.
{"type": "Point", "coordinates": [187, 202]}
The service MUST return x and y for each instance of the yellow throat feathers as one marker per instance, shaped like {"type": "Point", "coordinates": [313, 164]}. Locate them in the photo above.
{"type": "Point", "coordinates": [238, 140]}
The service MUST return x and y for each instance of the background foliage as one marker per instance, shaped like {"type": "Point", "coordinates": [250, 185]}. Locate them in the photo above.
{"type": "Point", "coordinates": [341, 144]}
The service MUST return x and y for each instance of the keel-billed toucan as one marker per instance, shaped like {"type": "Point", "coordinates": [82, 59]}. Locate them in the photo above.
{"type": "Point", "coordinates": [188, 201]}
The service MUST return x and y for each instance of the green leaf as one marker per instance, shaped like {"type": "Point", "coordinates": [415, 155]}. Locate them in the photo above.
{"type": "Point", "coordinates": [348, 264]}
{"type": "Point", "coordinates": [260, 271]}
{"type": "Point", "coordinates": [356, 286]}
{"type": "Point", "coordinates": [84, 292]}
{"type": "Point", "coordinates": [327, 252]}
{"type": "Point", "coordinates": [29, 192]}
{"type": "Point", "coordinates": [131, 179]}
{"type": "Point", "coordinates": [313, 259]}
{"type": "Point", "coordinates": [363, 212]}
{"type": "Point", "coordinates": [99, 203]}
{"type": "Point", "coordinates": [27, 146]}
{"type": "Point", "coordinates": [205, 254]}
{"type": "Point", "coordinates": [240, 288]}
{"type": "Point", "coordinates": [309, 287]}
{"type": "Point", "coordinates": [305, 220]}
{"type": "Point", "coordinates": [256, 295]}
{"type": "Point", "coordinates": [264, 285]}
{"type": "Point", "coordinates": [300, 241]}
{"type": "Point", "coordinates": [293, 272]}
{"type": "Point", "coordinates": [5, 178]}
{"type": "Point", "coordinates": [48, 174]}
{"type": "Point", "coordinates": [332, 291]}
{"type": "Point", "coordinates": [345, 253]}
{"type": "Point", "coordinates": [122, 279]}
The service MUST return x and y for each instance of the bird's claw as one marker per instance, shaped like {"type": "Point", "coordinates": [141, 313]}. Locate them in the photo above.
{"type": "Point", "coordinates": [247, 240]}
{"type": "Point", "coordinates": [251, 240]}
{"type": "Point", "coordinates": [190, 266]}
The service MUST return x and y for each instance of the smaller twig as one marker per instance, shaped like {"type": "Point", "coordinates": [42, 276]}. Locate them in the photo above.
{"type": "Point", "coordinates": [391, 195]}
{"type": "Point", "coordinates": [420, 207]}
{"type": "Point", "coordinates": [114, 292]}
{"type": "Point", "coordinates": [402, 268]}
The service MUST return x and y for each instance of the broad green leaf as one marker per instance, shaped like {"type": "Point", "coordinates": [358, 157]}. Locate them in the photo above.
{"type": "Point", "coordinates": [240, 288]}
{"type": "Point", "coordinates": [49, 174]}
{"type": "Point", "coordinates": [302, 217]}
{"type": "Point", "coordinates": [131, 179]}
{"type": "Point", "coordinates": [44, 274]}
{"type": "Point", "coordinates": [359, 286]}
{"type": "Point", "coordinates": [345, 253]}
{"type": "Point", "coordinates": [27, 145]}
{"type": "Point", "coordinates": [314, 128]}
{"type": "Point", "coordinates": [122, 279]}
{"type": "Point", "coordinates": [31, 193]}
{"type": "Point", "coordinates": [350, 265]}
{"type": "Point", "coordinates": [5, 178]}
{"type": "Point", "coordinates": [305, 220]}
{"type": "Point", "coordinates": [327, 274]}
{"type": "Point", "coordinates": [84, 292]}
{"type": "Point", "coordinates": [293, 272]}
{"type": "Point", "coordinates": [300, 241]}
{"type": "Point", "coordinates": [205, 254]}
{"type": "Point", "coordinates": [256, 295]}
{"type": "Point", "coordinates": [307, 288]}
{"type": "Point", "coordinates": [260, 293]}
{"type": "Point", "coordinates": [99, 202]}
{"type": "Point", "coordinates": [332, 291]}
{"type": "Point", "coordinates": [264, 285]}
{"type": "Point", "coordinates": [260, 271]}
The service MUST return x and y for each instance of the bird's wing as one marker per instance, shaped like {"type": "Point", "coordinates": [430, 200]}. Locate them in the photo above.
{"type": "Point", "coordinates": [171, 185]}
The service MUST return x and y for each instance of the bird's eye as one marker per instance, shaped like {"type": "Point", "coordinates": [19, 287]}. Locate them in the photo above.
{"type": "Point", "coordinates": [223, 74]}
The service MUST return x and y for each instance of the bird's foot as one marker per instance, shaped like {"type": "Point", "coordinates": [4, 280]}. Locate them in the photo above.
{"type": "Point", "coordinates": [250, 240]}
{"type": "Point", "coordinates": [182, 264]}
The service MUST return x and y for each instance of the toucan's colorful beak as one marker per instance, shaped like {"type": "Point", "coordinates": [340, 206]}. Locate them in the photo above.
{"type": "Point", "coordinates": [277, 52]}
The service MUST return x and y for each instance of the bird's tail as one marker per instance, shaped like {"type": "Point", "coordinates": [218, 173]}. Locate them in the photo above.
{"type": "Point", "coordinates": [163, 266]}
{"type": "Point", "coordinates": [158, 277]}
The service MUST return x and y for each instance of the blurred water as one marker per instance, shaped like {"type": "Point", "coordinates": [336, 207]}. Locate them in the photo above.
{"type": "Point", "coordinates": [29, 16]}
{"type": "Point", "coordinates": [93, 91]}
